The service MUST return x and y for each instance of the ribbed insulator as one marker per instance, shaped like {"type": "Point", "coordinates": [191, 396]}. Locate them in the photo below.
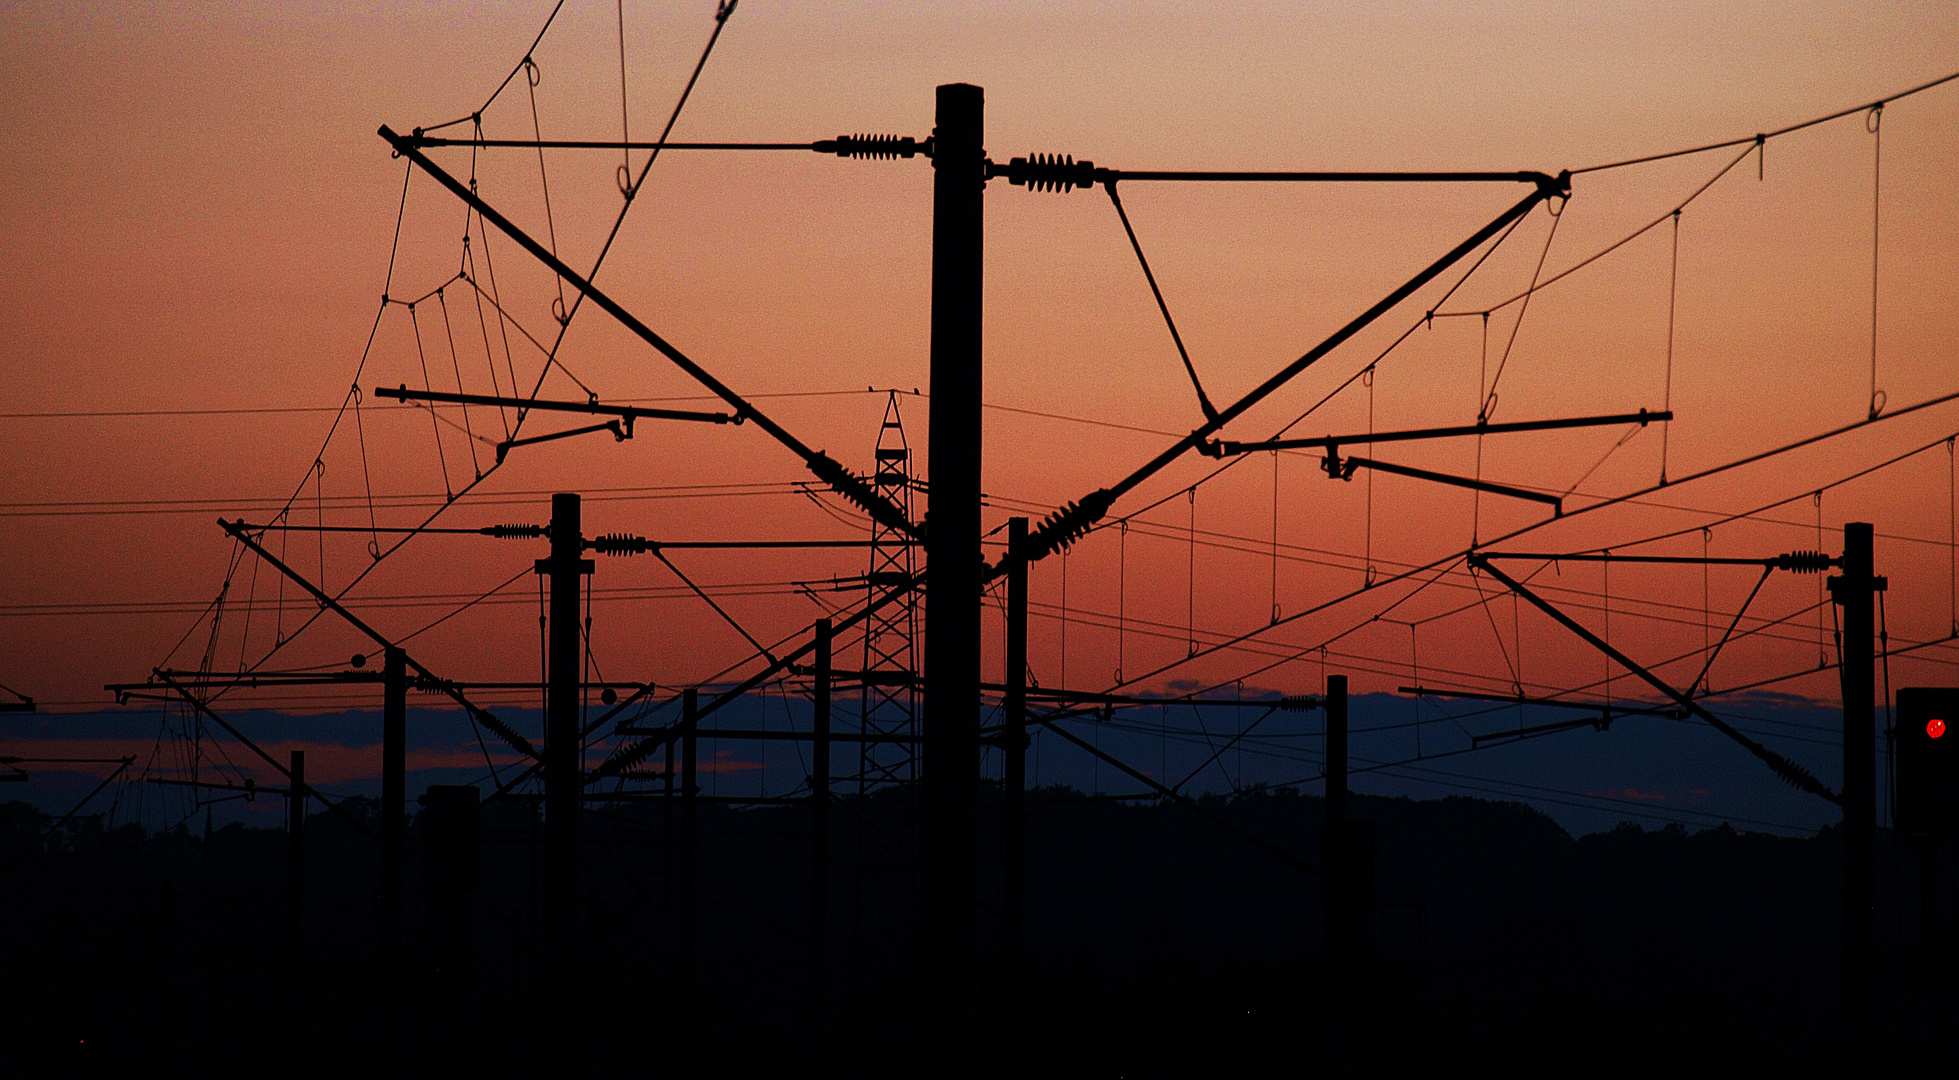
{"type": "Point", "coordinates": [1300, 702]}
{"type": "Point", "coordinates": [1803, 562]}
{"type": "Point", "coordinates": [1051, 172]}
{"type": "Point", "coordinates": [620, 544]}
{"type": "Point", "coordinates": [1062, 528]}
{"type": "Point", "coordinates": [873, 146]}
{"type": "Point", "coordinates": [860, 493]}
{"type": "Point", "coordinates": [514, 532]}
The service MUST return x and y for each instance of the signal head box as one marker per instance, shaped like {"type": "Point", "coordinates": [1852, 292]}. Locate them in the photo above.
{"type": "Point", "coordinates": [1927, 749]}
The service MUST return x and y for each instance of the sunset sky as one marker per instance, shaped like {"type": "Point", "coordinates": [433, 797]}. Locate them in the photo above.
{"type": "Point", "coordinates": [198, 224]}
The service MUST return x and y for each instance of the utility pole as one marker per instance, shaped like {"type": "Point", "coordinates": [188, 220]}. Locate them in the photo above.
{"type": "Point", "coordinates": [394, 851]}
{"type": "Point", "coordinates": [295, 856]}
{"type": "Point", "coordinates": [1855, 591]}
{"type": "Point", "coordinates": [1013, 747]}
{"type": "Point", "coordinates": [564, 781]}
{"type": "Point", "coordinates": [949, 782]}
{"type": "Point", "coordinates": [689, 740]}
{"type": "Point", "coordinates": [296, 896]}
{"type": "Point", "coordinates": [819, 842]}
{"type": "Point", "coordinates": [1336, 748]}
{"type": "Point", "coordinates": [1333, 876]}
{"type": "Point", "coordinates": [1346, 885]}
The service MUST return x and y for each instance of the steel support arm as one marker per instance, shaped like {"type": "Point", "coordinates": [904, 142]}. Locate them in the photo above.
{"type": "Point", "coordinates": [1059, 172]}
{"type": "Point", "coordinates": [517, 742]}
{"type": "Point", "coordinates": [1274, 850]}
{"type": "Point", "coordinates": [846, 483]}
{"type": "Point", "coordinates": [627, 412]}
{"type": "Point", "coordinates": [1557, 703]}
{"type": "Point", "coordinates": [1227, 449]}
{"type": "Point", "coordinates": [1788, 770]}
{"type": "Point", "coordinates": [211, 715]}
{"type": "Point", "coordinates": [628, 756]}
{"type": "Point", "coordinates": [1068, 524]}
{"type": "Point", "coordinates": [1554, 502]}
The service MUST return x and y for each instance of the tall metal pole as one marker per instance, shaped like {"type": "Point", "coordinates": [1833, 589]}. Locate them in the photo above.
{"type": "Point", "coordinates": [296, 855]}
{"type": "Point", "coordinates": [819, 840]}
{"type": "Point", "coordinates": [689, 742]}
{"type": "Point", "coordinates": [394, 832]}
{"type": "Point", "coordinates": [563, 777]}
{"type": "Point", "coordinates": [1855, 591]}
{"type": "Point", "coordinates": [1336, 879]}
{"type": "Point", "coordinates": [666, 834]}
{"type": "Point", "coordinates": [1336, 747]}
{"type": "Point", "coordinates": [949, 774]}
{"type": "Point", "coordinates": [1013, 746]}
{"type": "Point", "coordinates": [296, 894]}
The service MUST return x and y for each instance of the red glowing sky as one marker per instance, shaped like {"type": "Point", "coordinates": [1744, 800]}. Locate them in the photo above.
{"type": "Point", "coordinates": [197, 216]}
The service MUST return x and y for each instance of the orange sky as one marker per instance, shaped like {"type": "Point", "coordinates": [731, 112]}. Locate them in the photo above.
{"type": "Point", "coordinates": [197, 215]}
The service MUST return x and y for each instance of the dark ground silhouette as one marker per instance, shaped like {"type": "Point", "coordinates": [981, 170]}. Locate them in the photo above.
{"type": "Point", "coordinates": [1158, 945]}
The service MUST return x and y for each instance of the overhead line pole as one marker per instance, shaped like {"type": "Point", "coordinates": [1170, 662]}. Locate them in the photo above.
{"type": "Point", "coordinates": [1013, 748]}
{"type": "Point", "coordinates": [689, 826]}
{"type": "Point", "coordinates": [949, 773]}
{"type": "Point", "coordinates": [389, 909]}
{"type": "Point", "coordinates": [819, 832]}
{"type": "Point", "coordinates": [563, 776]}
{"type": "Point", "coordinates": [1855, 591]}
{"type": "Point", "coordinates": [1342, 920]}
{"type": "Point", "coordinates": [296, 896]}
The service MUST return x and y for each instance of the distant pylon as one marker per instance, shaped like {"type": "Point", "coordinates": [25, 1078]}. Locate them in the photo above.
{"type": "Point", "coordinates": [888, 770]}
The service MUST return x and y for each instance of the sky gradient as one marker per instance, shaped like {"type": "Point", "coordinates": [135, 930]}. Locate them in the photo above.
{"type": "Point", "coordinates": [197, 224]}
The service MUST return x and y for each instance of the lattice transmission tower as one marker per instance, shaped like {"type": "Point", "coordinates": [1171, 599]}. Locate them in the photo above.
{"type": "Point", "coordinates": [888, 765]}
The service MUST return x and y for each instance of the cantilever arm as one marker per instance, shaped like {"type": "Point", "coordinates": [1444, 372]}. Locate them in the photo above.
{"type": "Point", "coordinates": [846, 483]}
{"type": "Point", "coordinates": [1789, 771]}
{"type": "Point", "coordinates": [1259, 842]}
{"type": "Point", "coordinates": [517, 742]}
{"type": "Point", "coordinates": [627, 412]}
{"type": "Point", "coordinates": [1226, 448]}
{"type": "Point", "coordinates": [1066, 525]}
{"type": "Point", "coordinates": [1554, 502]}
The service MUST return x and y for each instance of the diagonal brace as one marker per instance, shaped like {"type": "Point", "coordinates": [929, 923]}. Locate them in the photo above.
{"type": "Point", "coordinates": [846, 483]}
{"type": "Point", "coordinates": [1203, 400]}
{"type": "Point", "coordinates": [211, 715]}
{"type": "Point", "coordinates": [1066, 525]}
{"type": "Point", "coordinates": [504, 731]}
{"type": "Point", "coordinates": [1788, 770]}
{"type": "Point", "coordinates": [1344, 470]}
{"type": "Point", "coordinates": [1274, 850]}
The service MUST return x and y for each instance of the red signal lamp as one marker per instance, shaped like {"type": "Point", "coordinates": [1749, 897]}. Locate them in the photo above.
{"type": "Point", "coordinates": [1925, 791]}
